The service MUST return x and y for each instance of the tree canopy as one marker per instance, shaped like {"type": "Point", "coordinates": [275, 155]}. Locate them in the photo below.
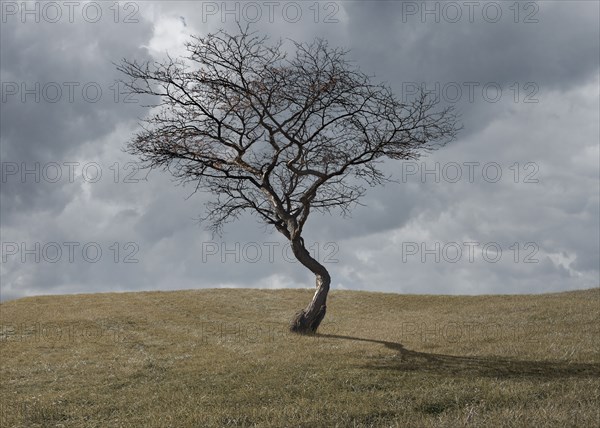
{"type": "Point", "coordinates": [278, 132]}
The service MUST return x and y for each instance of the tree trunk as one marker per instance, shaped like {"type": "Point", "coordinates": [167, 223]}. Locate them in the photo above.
{"type": "Point", "coordinates": [307, 320]}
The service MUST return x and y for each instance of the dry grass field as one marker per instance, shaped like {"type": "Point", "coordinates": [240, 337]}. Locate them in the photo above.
{"type": "Point", "coordinates": [218, 358]}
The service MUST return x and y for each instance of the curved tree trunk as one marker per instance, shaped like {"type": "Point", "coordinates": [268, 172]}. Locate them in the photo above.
{"type": "Point", "coordinates": [308, 319]}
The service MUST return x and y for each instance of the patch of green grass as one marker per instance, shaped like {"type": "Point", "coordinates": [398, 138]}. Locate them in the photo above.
{"type": "Point", "coordinates": [225, 358]}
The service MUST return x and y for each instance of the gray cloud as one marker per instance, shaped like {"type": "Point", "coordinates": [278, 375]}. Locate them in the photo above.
{"type": "Point", "coordinates": [554, 140]}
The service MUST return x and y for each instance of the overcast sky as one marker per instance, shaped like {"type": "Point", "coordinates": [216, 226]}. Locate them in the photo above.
{"type": "Point", "coordinates": [511, 206]}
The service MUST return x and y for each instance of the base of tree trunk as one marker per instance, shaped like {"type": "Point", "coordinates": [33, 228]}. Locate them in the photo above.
{"type": "Point", "coordinates": [303, 324]}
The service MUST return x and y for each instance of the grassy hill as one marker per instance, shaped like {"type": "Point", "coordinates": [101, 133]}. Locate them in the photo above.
{"type": "Point", "coordinates": [224, 358]}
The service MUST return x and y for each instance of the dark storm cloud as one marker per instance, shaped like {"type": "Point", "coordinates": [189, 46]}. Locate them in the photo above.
{"type": "Point", "coordinates": [560, 49]}
{"type": "Point", "coordinates": [58, 95]}
{"type": "Point", "coordinates": [69, 57]}
{"type": "Point", "coordinates": [464, 62]}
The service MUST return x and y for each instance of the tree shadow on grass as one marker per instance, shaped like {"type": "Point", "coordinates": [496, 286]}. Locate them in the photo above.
{"type": "Point", "coordinates": [489, 366]}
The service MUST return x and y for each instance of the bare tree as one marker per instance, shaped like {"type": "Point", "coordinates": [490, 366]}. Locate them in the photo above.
{"type": "Point", "coordinates": [278, 136]}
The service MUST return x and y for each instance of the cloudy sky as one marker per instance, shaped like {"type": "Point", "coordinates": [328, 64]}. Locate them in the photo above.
{"type": "Point", "coordinates": [511, 206]}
